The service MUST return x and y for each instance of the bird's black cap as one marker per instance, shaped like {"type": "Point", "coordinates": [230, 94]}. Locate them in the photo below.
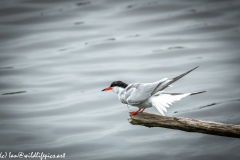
{"type": "Point", "coordinates": [119, 84]}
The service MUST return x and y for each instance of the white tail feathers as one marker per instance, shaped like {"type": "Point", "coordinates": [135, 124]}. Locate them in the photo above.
{"type": "Point", "coordinates": [163, 100]}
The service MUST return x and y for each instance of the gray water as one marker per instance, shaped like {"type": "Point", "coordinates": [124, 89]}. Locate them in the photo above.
{"type": "Point", "coordinates": [57, 56]}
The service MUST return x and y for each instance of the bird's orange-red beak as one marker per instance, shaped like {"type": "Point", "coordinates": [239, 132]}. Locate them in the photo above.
{"type": "Point", "coordinates": [107, 89]}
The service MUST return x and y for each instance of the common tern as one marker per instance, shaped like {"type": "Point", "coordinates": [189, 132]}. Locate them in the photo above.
{"type": "Point", "coordinates": [145, 95]}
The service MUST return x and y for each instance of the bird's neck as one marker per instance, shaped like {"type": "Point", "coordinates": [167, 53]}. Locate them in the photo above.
{"type": "Point", "coordinates": [118, 90]}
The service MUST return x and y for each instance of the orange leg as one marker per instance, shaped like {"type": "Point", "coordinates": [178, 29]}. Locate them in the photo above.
{"type": "Point", "coordinates": [133, 113]}
{"type": "Point", "coordinates": [140, 110]}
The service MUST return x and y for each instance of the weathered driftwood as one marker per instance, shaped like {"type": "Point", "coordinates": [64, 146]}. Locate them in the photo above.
{"type": "Point", "coordinates": [185, 124]}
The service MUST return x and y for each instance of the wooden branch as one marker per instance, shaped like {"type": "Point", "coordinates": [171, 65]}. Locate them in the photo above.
{"type": "Point", "coordinates": [185, 124]}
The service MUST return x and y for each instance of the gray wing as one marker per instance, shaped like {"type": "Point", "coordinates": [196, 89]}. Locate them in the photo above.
{"type": "Point", "coordinates": [165, 84]}
{"type": "Point", "coordinates": [139, 92]}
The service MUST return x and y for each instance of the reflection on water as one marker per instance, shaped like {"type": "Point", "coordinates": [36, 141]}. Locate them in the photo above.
{"type": "Point", "coordinates": [56, 56]}
{"type": "Point", "coordinates": [14, 92]}
{"type": "Point", "coordinates": [212, 104]}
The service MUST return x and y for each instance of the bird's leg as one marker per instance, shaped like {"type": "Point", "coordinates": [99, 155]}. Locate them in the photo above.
{"type": "Point", "coordinates": [142, 110]}
{"type": "Point", "coordinates": [133, 113]}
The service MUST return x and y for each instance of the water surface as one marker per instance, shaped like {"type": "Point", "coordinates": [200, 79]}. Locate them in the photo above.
{"type": "Point", "coordinates": [57, 56]}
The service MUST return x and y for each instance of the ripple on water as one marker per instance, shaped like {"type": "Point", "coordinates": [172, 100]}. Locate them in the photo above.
{"type": "Point", "coordinates": [57, 57]}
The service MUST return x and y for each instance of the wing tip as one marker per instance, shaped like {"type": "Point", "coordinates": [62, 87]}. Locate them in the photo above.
{"type": "Point", "coordinates": [194, 68]}
{"type": "Point", "coordinates": [177, 78]}
{"type": "Point", "coordinates": [194, 93]}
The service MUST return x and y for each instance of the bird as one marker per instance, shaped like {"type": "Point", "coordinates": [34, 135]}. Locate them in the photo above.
{"type": "Point", "coordinates": [146, 95]}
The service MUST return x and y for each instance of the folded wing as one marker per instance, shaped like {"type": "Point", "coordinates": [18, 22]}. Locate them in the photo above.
{"type": "Point", "coordinates": [139, 92]}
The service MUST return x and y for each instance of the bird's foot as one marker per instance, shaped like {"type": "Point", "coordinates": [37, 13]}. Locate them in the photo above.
{"type": "Point", "coordinates": [138, 111]}
{"type": "Point", "coordinates": [133, 113]}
